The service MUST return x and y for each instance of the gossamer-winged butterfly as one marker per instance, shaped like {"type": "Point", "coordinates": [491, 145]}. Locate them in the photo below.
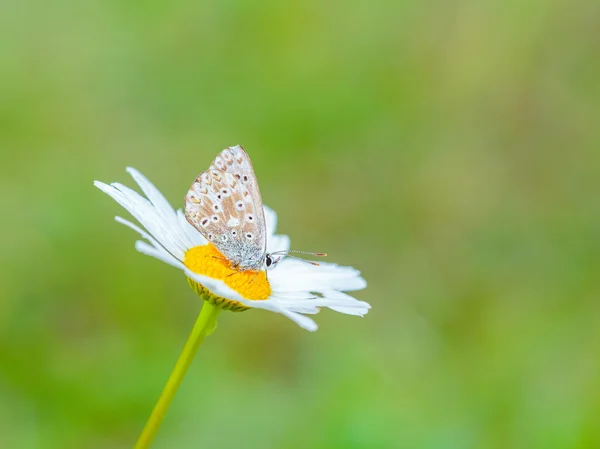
{"type": "Point", "coordinates": [225, 206]}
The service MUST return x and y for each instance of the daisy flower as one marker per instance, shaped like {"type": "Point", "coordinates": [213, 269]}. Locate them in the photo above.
{"type": "Point", "coordinates": [290, 287]}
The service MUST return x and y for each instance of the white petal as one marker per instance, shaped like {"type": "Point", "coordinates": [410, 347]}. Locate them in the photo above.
{"type": "Point", "coordinates": [270, 221]}
{"type": "Point", "coordinates": [161, 224]}
{"type": "Point", "coordinates": [152, 193]}
{"type": "Point", "coordinates": [303, 321]}
{"type": "Point", "coordinates": [341, 296]}
{"type": "Point", "coordinates": [219, 288]}
{"type": "Point", "coordinates": [216, 286]}
{"type": "Point", "coordinates": [275, 242]}
{"type": "Point", "coordinates": [348, 306]}
{"type": "Point", "coordinates": [139, 231]}
{"type": "Point", "coordinates": [145, 213]}
{"type": "Point", "coordinates": [160, 203]}
{"type": "Point", "coordinates": [293, 274]}
{"type": "Point", "coordinates": [278, 242]}
{"type": "Point", "coordinates": [275, 306]}
{"type": "Point", "coordinates": [163, 256]}
{"type": "Point", "coordinates": [193, 234]}
{"type": "Point", "coordinates": [305, 307]}
{"type": "Point", "coordinates": [350, 311]}
{"type": "Point", "coordinates": [114, 194]}
{"type": "Point", "coordinates": [293, 295]}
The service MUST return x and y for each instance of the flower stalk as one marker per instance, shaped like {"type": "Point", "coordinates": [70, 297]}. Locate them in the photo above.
{"type": "Point", "coordinates": [205, 325]}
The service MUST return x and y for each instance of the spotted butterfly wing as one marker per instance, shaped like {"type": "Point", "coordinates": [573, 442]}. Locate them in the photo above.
{"type": "Point", "coordinates": [225, 206]}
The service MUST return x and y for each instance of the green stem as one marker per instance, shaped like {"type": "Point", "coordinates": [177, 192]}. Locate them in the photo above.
{"type": "Point", "coordinates": [204, 326]}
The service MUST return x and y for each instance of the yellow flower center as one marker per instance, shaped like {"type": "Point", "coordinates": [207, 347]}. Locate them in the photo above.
{"type": "Point", "coordinates": [208, 261]}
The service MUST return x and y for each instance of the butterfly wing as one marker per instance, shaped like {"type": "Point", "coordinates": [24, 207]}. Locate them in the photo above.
{"type": "Point", "coordinates": [225, 206]}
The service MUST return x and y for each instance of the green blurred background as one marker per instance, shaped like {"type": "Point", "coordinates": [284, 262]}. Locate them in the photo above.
{"type": "Point", "coordinates": [449, 150]}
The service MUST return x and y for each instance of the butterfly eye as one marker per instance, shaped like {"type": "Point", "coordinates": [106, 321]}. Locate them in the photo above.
{"type": "Point", "coordinates": [268, 261]}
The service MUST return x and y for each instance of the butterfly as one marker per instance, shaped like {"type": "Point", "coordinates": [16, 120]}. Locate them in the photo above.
{"type": "Point", "coordinates": [225, 206]}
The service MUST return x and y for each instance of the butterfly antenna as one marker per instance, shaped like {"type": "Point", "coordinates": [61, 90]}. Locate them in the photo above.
{"type": "Point", "coordinates": [310, 253]}
{"type": "Point", "coordinates": [286, 253]}
{"type": "Point", "coordinates": [304, 260]}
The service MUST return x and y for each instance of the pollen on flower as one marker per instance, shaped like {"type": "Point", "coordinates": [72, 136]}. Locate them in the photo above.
{"type": "Point", "coordinates": [208, 261]}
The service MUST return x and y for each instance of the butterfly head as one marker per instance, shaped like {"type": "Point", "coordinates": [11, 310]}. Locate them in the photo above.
{"type": "Point", "coordinates": [271, 261]}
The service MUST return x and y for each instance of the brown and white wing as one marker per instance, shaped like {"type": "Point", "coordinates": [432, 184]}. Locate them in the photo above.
{"type": "Point", "coordinates": [225, 206]}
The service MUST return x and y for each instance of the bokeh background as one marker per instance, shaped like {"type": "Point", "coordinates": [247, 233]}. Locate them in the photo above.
{"type": "Point", "coordinates": [449, 150]}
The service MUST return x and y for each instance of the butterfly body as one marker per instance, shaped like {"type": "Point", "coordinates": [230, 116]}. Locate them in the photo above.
{"type": "Point", "coordinates": [225, 206]}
